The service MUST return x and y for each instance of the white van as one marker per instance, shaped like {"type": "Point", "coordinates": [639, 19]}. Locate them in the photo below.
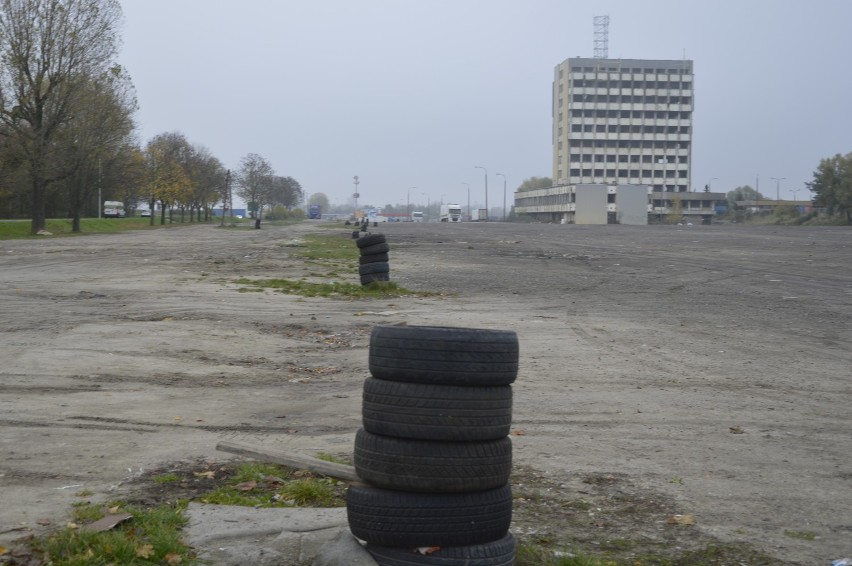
{"type": "Point", "coordinates": [113, 209]}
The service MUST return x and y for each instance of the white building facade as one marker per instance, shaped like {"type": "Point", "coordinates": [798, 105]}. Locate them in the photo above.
{"type": "Point", "coordinates": [623, 121]}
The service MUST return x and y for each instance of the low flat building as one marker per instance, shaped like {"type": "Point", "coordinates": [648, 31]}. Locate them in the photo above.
{"type": "Point", "coordinates": [561, 204]}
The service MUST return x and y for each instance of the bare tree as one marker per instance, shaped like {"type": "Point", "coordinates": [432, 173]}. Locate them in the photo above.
{"type": "Point", "coordinates": [97, 136]}
{"type": "Point", "coordinates": [48, 51]}
{"type": "Point", "coordinates": [254, 179]}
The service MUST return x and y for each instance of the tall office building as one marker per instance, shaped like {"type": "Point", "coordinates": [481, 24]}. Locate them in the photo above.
{"type": "Point", "coordinates": [623, 121]}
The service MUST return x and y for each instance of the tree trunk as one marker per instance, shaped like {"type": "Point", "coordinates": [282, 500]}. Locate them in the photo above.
{"type": "Point", "coordinates": [38, 204]}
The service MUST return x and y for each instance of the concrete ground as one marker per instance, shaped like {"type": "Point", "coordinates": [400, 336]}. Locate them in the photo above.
{"type": "Point", "coordinates": [708, 364]}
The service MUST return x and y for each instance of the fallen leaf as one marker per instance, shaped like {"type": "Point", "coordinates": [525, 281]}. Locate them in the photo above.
{"type": "Point", "coordinates": [113, 510]}
{"type": "Point", "coordinates": [144, 551]}
{"type": "Point", "coordinates": [209, 475]}
{"type": "Point", "coordinates": [736, 430]}
{"type": "Point", "coordinates": [681, 520]}
{"type": "Point", "coordinates": [3, 550]}
{"type": "Point", "coordinates": [44, 522]}
{"type": "Point", "coordinates": [519, 432]}
{"type": "Point", "coordinates": [72, 526]}
{"type": "Point", "coordinates": [172, 558]}
{"type": "Point", "coordinates": [246, 486]}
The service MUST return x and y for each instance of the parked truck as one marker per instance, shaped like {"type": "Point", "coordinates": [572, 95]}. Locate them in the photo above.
{"type": "Point", "coordinates": [479, 215]}
{"type": "Point", "coordinates": [315, 211]}
{"type": "Point", "coordinates": [417, 216]}
{"type": "Point", "coordinates": [451, 213]}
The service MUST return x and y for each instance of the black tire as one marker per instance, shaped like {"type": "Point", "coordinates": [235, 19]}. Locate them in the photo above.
{"type": "Point", "coordinates": [375, 249]}
{"type": "Point", "coordinates": [369, 278]}
{"type": "Point", "coordinates": [404, 519]}
{"type": "Point", "coordinates": [370, 240]}
{"type": "Point", "coordinates": [444, 355]}
{"type": "Point", "coordinates": [364, 259]}
{"type": "Point", "coordinates": [431, 466]}
{"type": "Point", "coordinates": [496, 553]}
{"type": "Point", "coordinates": [377, 267]}
{"type": "Point", "coordinates": [436, 412]}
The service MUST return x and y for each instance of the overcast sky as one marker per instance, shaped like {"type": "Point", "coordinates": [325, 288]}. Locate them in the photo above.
{"type": "Point", "coordinates": [415, 94]}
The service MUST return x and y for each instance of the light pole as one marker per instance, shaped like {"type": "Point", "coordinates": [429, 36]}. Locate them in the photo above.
{"type": "Point", "coordinates": [710, 184]}
{"type": "Point", "coordinates": [795, 192]}
{"type": "Point", "coordinates": [504, 194]}
{"type": "Point", "coordinates": [408, 202]}
{"type": "Point", "coordinates": [427, 202]}
{"type": "Point", "coordinates": [355, 195]}
{"type": "Point", "coordinates": [777, 187]}
{"type": "Point", "coordinates": [468, 199]}
{"type": "Point", "coordinates": [486, 189]}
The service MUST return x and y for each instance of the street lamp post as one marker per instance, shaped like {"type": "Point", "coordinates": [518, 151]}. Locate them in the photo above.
{"type": "Point", "coordinates": [486, 189]}
{"type": "Point", "coordinates": [355, 195]}
{"type": "Point", "coordinates": [710, 184]}
{"type": "Point", "coordinates": [427, 202]}
{"type": "Point", "coordinates": [777, 187]}
{"type": "Point", "coordinates": [408, 202]}
{"type": "Point", "coordinates": [468, 199]}
{"type": "Point", "coordinates": [795, 192]}
{"type": "Point", "coordinates": [504, 194]}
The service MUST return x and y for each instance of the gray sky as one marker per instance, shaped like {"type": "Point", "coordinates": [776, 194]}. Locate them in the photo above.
{"type": "Point", "coordinates": [415, 94]}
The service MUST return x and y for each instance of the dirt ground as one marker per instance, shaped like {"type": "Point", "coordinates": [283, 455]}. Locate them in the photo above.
{"type": "Point", "coordinates": [708, 366]}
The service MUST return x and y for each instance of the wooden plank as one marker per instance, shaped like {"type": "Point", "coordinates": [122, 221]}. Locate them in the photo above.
{"type": "Point", "coordinates": [297, 461]}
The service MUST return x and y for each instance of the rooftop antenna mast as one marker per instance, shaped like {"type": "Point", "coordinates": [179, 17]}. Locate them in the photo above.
{"type": "Point", "coordinates": [601, 37]}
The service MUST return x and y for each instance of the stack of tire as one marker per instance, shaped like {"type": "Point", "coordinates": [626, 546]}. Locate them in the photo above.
{"type": "Point", "coordinates": [434, 451]}
{"type": "Point", "coordinates": [373, 262]}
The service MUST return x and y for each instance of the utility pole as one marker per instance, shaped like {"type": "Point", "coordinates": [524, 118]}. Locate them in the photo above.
{"type": "Point", "coordinates": [777, 187]}
{"type": "Point", "coordinates": [487, 212]}
{"type": "Point", "coordinates": [468, 199]}
{"type": "Point", "coordinates": [504, 194]}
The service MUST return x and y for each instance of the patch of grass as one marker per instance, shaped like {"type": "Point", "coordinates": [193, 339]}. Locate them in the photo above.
{"type": "Point", "coordinates": [314, 492]}
{"type": "Point", "coordinates": [334, 289]}
{"type": "Point", "coordinates": [85, 512]}
{"type": "Point", "coordinates": [269, 485]}
{"type": "Point", "coordinates": [325, 456]}
{"type": "Point", "coordinates": [167, 478]}
{"type": "Point", "coordinates": [250, 290]}
{"type": "Point", "coordinates": [18, 229]}
{"type": "Point", "coordinates": [528, 554]}
{"type": "Point", "coordinates": [326, 247]}
{"type": "Point", "coordinates": [152, 536]}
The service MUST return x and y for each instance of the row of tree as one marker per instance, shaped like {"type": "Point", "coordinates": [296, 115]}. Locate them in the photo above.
{"type": "Point", "coordinates": [67, 134]}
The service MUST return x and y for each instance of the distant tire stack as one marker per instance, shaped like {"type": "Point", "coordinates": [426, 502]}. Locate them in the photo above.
{"type": "Point", "coordinates": [434, 448]}
{"type": "Point", "coordinates": [373, 263]}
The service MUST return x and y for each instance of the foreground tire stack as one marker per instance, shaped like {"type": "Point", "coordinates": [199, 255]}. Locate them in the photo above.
{"type": "Point", "coordinates": [373, 263]}
{"type": "Point", "coordinates": [434, 448]}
